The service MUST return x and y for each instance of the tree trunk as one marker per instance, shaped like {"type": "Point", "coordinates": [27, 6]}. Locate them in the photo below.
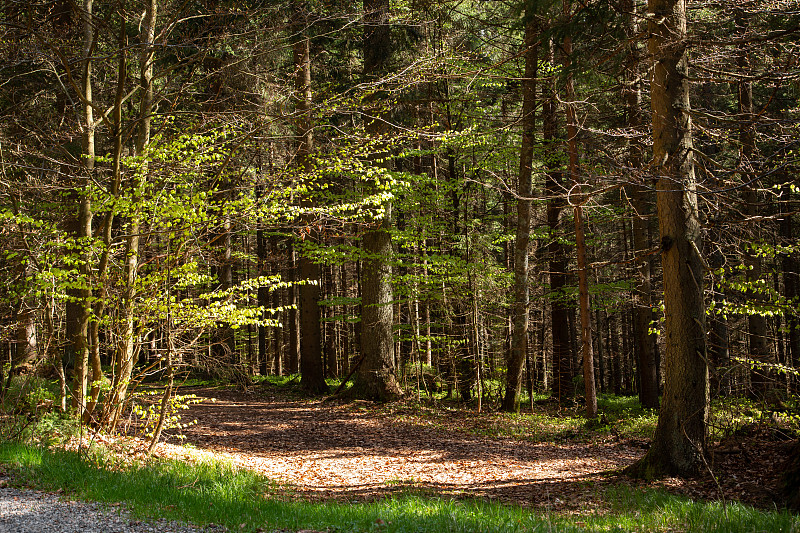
{"type": "Point", "coordinates": [759, 352]}
{"type": "Point", "coordinates": [58, 363]}
{"type": "Point", "coordinates": [346, 329]}
{"type": "Point", "coordinates": [126, 347]}
{"type": "Point", "coordinates": [293, 315]}
{"type": "Point", "coordinates": [519, 324]}
{"type": "Point", "coordinates": [312, 366]}
{"type": "Point", "coordinates": [223, 342]}
{"type": "Point", "coordinates": [107, 224]}
{"type": "Point", "coordinates": [262, 296]}
{"type": "Point", "coordinates": [331, 355]}
{"type": "Point", "coordinates": [78, 306]}
{"type": "Point", "coordinates": [680, 437]}
{"type": "Point", "coordinates": [26, 346]}
{"type": "Point", "coordinates": [375, 379]}
{"type": "Point", "coordinates": [616, 357]}
{"type": "Point", "coordinates": [718, 344]}
{"type": "Point", "coordinates": [601, 356]}
{"type": "Point", "coordinates": [559, 318]}
{"type": "Point", "coordinates": [587, 354]}
{"type": "Point", "coordinates": [791, 283]}
{"type": "Point", "coordinates": [277, 338]}
{"type": "Point", "coordinates": [644, 316]}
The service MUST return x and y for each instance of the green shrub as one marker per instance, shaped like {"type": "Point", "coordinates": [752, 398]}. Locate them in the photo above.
{"type": "Point", "coordinates": [29, 413]}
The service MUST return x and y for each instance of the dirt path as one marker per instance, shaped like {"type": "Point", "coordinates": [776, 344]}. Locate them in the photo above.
{"type": "Point", "coordinates": [353, 451]}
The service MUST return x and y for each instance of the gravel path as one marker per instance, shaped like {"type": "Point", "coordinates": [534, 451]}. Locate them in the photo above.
{"type": "Point", "coordinates": [30, 511]}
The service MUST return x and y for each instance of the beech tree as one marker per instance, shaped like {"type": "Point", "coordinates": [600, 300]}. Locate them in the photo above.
{"type": "Point", "coordinates": [375, 378]}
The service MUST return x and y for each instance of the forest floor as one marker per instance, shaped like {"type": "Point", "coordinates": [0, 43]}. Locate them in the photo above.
{"type": "Point", "coordinates": [355, 451]}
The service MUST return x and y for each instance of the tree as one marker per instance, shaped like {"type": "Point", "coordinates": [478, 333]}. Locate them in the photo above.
{"type": "Point", "coordinates": [375, 379]}
{"type": "Point", "coordinates": [519, 324]}
{"type": "Point", "coordinates": [78, 308]}
{"type": "Point", "coordinates": [127, 347]}
{"type": "Point", "coordinates": [562, 386]}
{"type": "Point", "coordinates": [680, 437]}
{"type": "Point", "coordinates": [312, 368]}
{"type": "Point", "coordinates": [756, 322]}
{"type": "Point", "coordinates": [580, 239]}
{"type": "Point", "coordinates": [643, 312]}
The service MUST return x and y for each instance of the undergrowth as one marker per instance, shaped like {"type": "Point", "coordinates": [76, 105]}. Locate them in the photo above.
{"type": "Point", "coordinates": [28, 413]}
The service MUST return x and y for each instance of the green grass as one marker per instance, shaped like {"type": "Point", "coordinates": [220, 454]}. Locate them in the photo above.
{"type": "Point", "coordinates": [652, 510]}
{"type": "Point", "coordinates": [624, 416]}
{"type": "Point", "coordinates": [216, 493]}
{"type": "Point", "coordinates": [621, 416]}
{"type": "Point", "coordinates": [732, 415]}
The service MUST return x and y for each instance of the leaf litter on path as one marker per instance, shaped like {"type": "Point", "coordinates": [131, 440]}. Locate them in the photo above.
{"type": "Point", "coordinates": [345, 452]}
{"type": "Point", "coordinates": [354, 452]}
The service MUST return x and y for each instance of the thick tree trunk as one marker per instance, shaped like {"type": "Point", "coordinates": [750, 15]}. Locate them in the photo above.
{"type": "Point", "coordinates": [519, 323]}
{"type": "Point", "coordinates": [375, 378]}
{"type": "Point", "coordinates": [312, 368]}
{"type": "Point", "coordinates": [680, 437]}
{"type": "Point", "coordinates": [25, 350]}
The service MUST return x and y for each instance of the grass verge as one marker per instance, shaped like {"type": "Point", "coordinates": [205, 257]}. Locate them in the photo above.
{"type": "Point", "coordinates": [214, 492]}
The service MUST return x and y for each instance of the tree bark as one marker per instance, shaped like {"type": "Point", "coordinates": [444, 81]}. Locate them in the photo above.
{"type": "Point", "coordinates": [718, 340]}
{"type": "Point", "coordinates": [375, 378]}
{"type": "Point", "coordinates": [277, 338]}
{"type": "Point", "coordinates": [790, 265]}
{"type": "Point", "coordinates": [587, 354]}
{"type": "Point", "coordinates": [519, 324]}
{"type": "Point", "coordinates": [562, 387]}
{"type": "Point", "coordinates": [680, 438]}
{"type": "Point", "coordinates": [312, 366]}
{"type": "Point", "coordinates": [644, 316]}
{"type": "Point", "coordinates": [262, 295]}
{"type": "Point", "coordinates": [126, 348]}
{"type": "Point", "coordinates": [78, 306]}
{"type": "Point", "coordinates": [108, 220]}
{"type": "Point", "coordinates": [760, 380]}
{"type": "Point", "coordinates": [293, 315]}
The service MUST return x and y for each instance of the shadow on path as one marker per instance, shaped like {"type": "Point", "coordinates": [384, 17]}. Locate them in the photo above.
{"type": "Point", "coordinates": [346, 452]}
